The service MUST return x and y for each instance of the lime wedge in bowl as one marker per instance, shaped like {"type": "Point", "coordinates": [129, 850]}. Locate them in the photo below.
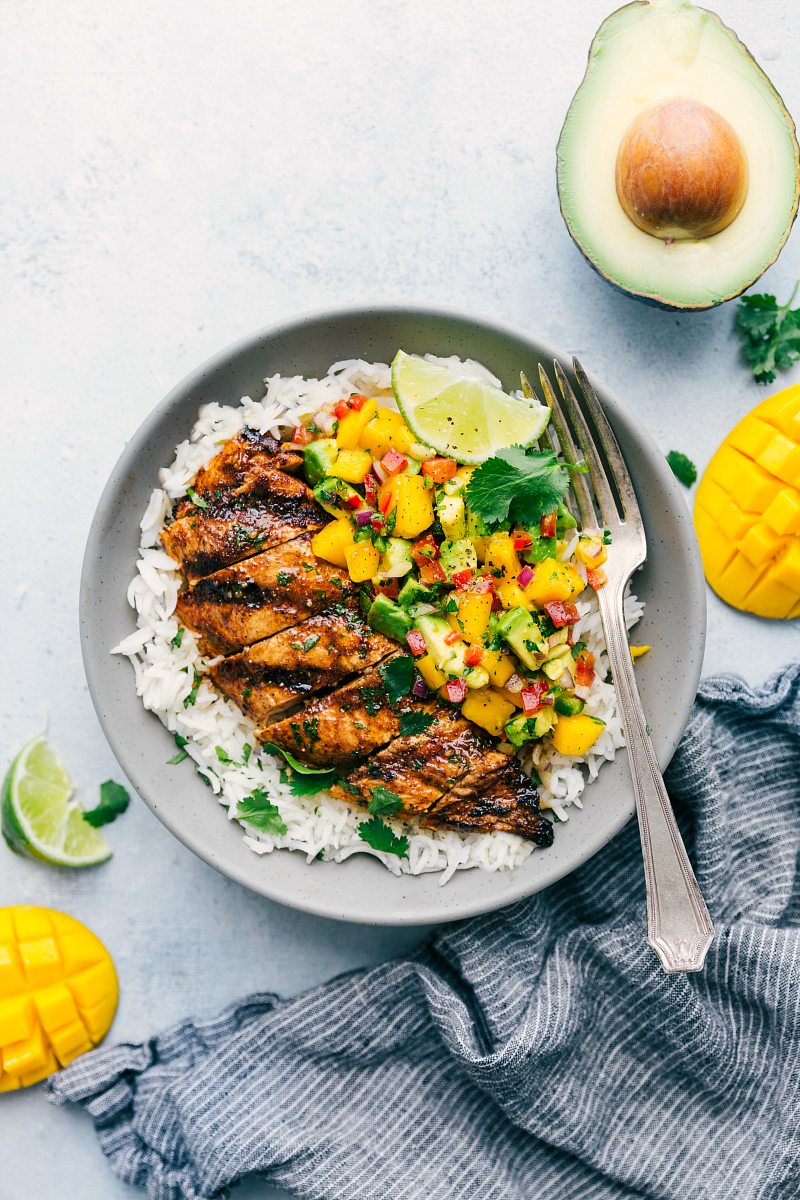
{"type": "Point", "coordinates": [39, 816]}
{"type": "Point", "coordinates": [461, 416]}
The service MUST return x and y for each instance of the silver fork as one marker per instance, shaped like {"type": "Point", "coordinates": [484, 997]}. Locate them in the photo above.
{"type": "Point", "coordinates": [679, 927]}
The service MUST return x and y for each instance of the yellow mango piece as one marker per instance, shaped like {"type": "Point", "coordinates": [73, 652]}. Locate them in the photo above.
{"type": "Point", "coordinates": [553, 580]}
{"type": "Point", "coordinates": [352, 424]}
{"type": "Point", "coordinates": [638, 651]}
{"type": "Point", "coordinates": [575, 735]}
{"type": "Point", "coordinates": [58, 993]}
{"type": "Point", "coordinates": [502, 557]}
{"type": "Point", "coordinates": [591, 551]}
{"type": "Point", "coordinates": [511, 594]}
{"type": "Point", "coordinates": [487, 708]}
{"type": "Point", "coordinates": [472, 618]}
{"type": "Point", "coordinates": [411, 502]}
{"type": "Point", "coordinates": [363, 560]}
{"type": "Point", "coordinates": [499, 667]}
{"type": "Point", "coordinates": [352, 465]}
{"type": "Point", "coordinates": [747, 511]}
{"type": "Point", "coordinates": [333, 540]}
{"type": "Point", "coordinates": [386, 431]}
{"type": "Point", "coordinates": [430, 672]}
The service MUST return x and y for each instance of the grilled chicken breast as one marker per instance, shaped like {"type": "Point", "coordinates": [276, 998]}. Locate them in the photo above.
{"type": "Point", "coordinates": [449, 777]}
{"type": "Point", "coordinates": [235, 526]}
{"type": "Point", "coordinates": [252, 600]}
{"type": "Point", "coordinates": [345, 725]}
{"type": "Point", "coordinates": [241, 467]}
{"type": "Point", "coordinates": [269, 677]}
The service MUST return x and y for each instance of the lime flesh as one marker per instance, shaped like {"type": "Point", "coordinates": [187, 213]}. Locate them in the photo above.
{"type": "Point", "coordinates": [39, 816]}
{"type": "Point", "coordinates": [460, 416]}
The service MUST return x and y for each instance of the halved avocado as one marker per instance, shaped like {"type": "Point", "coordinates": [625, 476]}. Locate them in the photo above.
{"type": "Point", "coordinates": [678, 164]}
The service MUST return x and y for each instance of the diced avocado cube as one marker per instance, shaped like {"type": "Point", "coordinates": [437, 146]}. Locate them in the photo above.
{"type": "Point", "coordinates": [564, 519]}
{"type": "Point", "coordinates": [458, 556]}
{"type": "Point", "coordinates": [318, 459]}
{"type": "Point", "coordinates": [448, 656]}
{"type": "Point", "coordinates": [389, 618]}
{"type": "Point", "coordinates": [560, 661]}
{"type": "Point", "coordinates": [452, 516]}
{"type": "Point", "coordinates": [539, 549]}
{"type": "Point", "coordinates": [521, 729]}
{"type": "Point", "coordinates": [568, 706]}
{"type": "Point", "coordinates": [413, 592]}
{"type": "Point", "coordinates": [413, 467]}
{"type": "Point", "coordinates": [519, 630]}
{"type": "Point", "coordinates": [332, 495]}
{"type": "Point", "coordinates": [396, 559]}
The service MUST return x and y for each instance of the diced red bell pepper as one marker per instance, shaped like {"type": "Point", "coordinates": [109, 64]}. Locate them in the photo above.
{"type": "Point", "coordinates": [522, 540]}
{"type": "Point", "coordinates": [430, 571]}
{"type": "Point", "coordinates": [584, 669]}
{"type": "Point", "coordinates": [371, 489]}
{"type": "Point", "coordinates": [596, 578]}
{"type": "Point", "coordinates": [427, 546]}
{"type": "Point", "coordinates": [452, 637]}
{"type": "Point", "coordinates": [473, 655]}
{"type": "Point", "coordinates": [357, 401]}
{"type": "Point", "coordinates": [377, 522]}
{"type": "Point", "coordinates": [562, 612]}
{"type": "Point", "coordinates": [533, 695]}
{"type": "Point", "coordinates": [389, 588]}
{"type": "Point", "coordinates": [416, 642]}
{"type": "Point", "coordinates": [393, 461]}
{"type": "Point", "coordinates": [481, 584]}
{"type": "Point", "coordinates": [439, 469]}
{"type": "Point", "coordinates": [301, 435]}
{"type": "Point", "coordinates": [386, 502]}
{"type": "Point", "coordinates": [354, 501]}
{"type": "Point", "coordinates": [456, 690]}
{"type": "Point", "coordinates": [462, 578]}
{"type": "Point", "coordinates": [547, 525]}
{"type": "Point", "coordinates": [497, 603]}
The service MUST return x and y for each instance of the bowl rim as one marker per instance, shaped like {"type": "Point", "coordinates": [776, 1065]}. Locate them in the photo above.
{"type": "Point", "coordinates": [335, 910]}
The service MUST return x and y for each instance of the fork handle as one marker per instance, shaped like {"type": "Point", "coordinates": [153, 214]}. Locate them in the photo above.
{"type": "Point", "coordinates": [679, 926]}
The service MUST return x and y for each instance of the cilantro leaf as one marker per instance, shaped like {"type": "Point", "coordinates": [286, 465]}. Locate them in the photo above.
{"type": "Point", "coordinates": [114, 799]}
{"type": "Point", "coordinates": [770, 334]}
{"type": "Point", "coordinates": [398, 677]}
{"type": "Point", "coordinates": [176, 641]}
{"type": "Point", "coordinates": [380, 836]}
{"type": "Point", "coordinates": [196, 681]}
{"type": "Point", "coordinates": [258, 810]}
{"type": "Point", "coordinates": [384, 801]}
{"type": "Point", "coordinates": [682, 468]}
{"type": "Point", "coordinates": [310, 642]}
{"type": "Point", "coordinates": [517, 487]}
{"type": "Point", "coordinates": [414, 722]}
{"type": "Point", "coordinates": [196, 500]}
{"type": "Point", "coordinates": [307, 785]}
{"type": "Point", "coordinates": [301, 767]}
{"type": "Point", "coordinates": [222, 755]}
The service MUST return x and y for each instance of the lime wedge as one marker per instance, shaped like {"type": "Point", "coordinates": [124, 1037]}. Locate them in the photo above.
{"type": "Point", "coordinates": [460, 416]}
{"type": "Point", "coordinates": [39, 816]}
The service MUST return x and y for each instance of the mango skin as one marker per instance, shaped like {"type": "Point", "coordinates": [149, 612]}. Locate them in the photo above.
{"type": "Point", "coordinates": [58, 993]}
{"type": "Point", "coordinates": [747, 511]}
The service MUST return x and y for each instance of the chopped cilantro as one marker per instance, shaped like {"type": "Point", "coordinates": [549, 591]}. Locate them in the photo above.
{"type": "Point", "coordinates": [414, 722]}
{"type": "Point", "coordinates": [606, 537]}
{"type": "Point", "coordinates": [311, 729]}
{"type": "Point", "coordinates": [114, 799]}
{"type": "Point", "coordinates": [301, 784]}
{"type": "Point", "coordinates": [303, 768]}
{"type": "Point", "coordinates": [682, 468]}
{"type": "Point", "coordinates": [516, 487]}
{"type": "Point", "coordinates": [247, 750]}
{"type": "Point", "coordinates": [284, 578]}
{"type": "Point", "coordinates": [380, 836]}
{"type": "Point", "coordinates": [384, 801]}
{"type": "Point", "coordinates": [176, 641]}
{"type": "Point", "coordinates": [398, 677]}
{"type": "Point", "coordinates": [311, 642]}
{"type": "Point", "coordinates": [257, 810]}
{"type": "Point", "coordinates": [246, 694]}
{"type": "Point", "coordinates": [222, 755]}
{"type": "Point", "coordinates": [770, 334]}
{"type": "Point", "coordinates": [196, 681]}
{"type": "Point", "coordinates": [196, 500]}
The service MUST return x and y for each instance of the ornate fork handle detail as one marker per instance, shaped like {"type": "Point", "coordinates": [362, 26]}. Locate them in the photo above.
{"type": "Point", "coordinates": [679, 926]}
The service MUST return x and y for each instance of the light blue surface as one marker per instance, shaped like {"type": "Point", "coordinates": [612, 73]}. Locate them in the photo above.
{"type": "Point", "coordinates": [176, 175]}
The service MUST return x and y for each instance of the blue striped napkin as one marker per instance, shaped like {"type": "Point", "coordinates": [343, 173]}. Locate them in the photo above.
{"type": "Point", "coordinates": [537, 1052]}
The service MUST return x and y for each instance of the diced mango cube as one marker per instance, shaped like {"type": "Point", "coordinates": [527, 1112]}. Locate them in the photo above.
{"type": "Point", "coordinates": [487, 708]}
{"type": "Point", "coordinates": [386, 431]}
{"type": "Point", "coordinates": [352, 424]}
{"type": "Point", "coordinates": [575, 735]}
{"type": "Point", "coordinates": [760, 544]}
{"type": "Point", "coordinates": [12, 977]}
{"type": "Point", "coordinates": [786, 571]}
{"type": "Point", "coordinates": [352, 465]}
{"type": "Point", "coordinates": [363, 560]}
{"type": "Point", "coordinates": [511, 594]}
{"type": "Point", "coordinates": [750, 485]}
{"type": "Point", "coordinates": [499, 667]}
{"type": "Point", "coordinates": [55, 1006]}
{"type": "Point", "coordinates": [412, 503]}
{"type": "Point", "coordinates": [472, 618]}
{"type": "Point", "coordinates": [751, 436]}
{"type": "Point", "coordinates": [781, 457]}
{"type": "Point", "coordinates": [28, 1054]}
{"type": "Point", "coordinates": [501, 558]}
{"type": "Point", "coordinates": [430, 672]}
{"type": "Point", "coordinates": [333, 540]}
{"type": "Point", "coordinates": [40, 960]}
{"type": "Point", "coordinates": [69, 1041]}
{"type": "Point", "coordinates": [783, 514]}
{"type": "Point", "coordinates": [553, 580]}
{"type": "Point", "coordinates": [17, 1019]}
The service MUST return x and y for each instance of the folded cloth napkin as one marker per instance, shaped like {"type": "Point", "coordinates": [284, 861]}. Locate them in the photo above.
{"type": "Point", "coordinates": [540, 1051]}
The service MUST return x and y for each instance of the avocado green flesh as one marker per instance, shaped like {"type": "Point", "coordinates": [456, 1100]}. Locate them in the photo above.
{"type": "Point", "coordinates": [642, 54]}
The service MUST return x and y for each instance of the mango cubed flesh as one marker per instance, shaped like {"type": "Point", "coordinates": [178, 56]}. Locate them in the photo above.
{"type": "Point", "coordinates": [553, 580]}
{"type": "Point", "coordinates": [575, 735]}
{"type": "Point", "coordinates": [58, 993]}
{"type": "Point", "coordinates": [411, 502]}
{"type": "Point", "coordinates": [333, 540]}
{"type": "Point", "coordinates": [747, 511]}
{"type": "Point", "coordinates": [363, 560]}
{"type": "Point", "coordinates": [351, 425]}
{"type": "Point", "coordinates": [487, 708]}
{"type": "Point", "coordinates": [498, 666]}
{"type": "Point", "coordinates": [386, 431]}
{"type": "Point", "coordinates": [430, 672]}
{"type": "Point", "coordinates": [352, 465]}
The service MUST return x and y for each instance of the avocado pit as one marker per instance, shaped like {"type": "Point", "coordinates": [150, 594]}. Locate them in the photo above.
{"type": "Point", "coordinates": [681, 171]}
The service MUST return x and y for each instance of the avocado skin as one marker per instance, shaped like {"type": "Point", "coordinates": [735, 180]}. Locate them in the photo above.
{"type": "Point", "coordinates": [645, 297]}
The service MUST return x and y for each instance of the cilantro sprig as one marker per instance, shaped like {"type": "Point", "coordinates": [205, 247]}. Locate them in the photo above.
{"type": "Point", "coordinates": [770, 334]}
{"type": "Point", "coordinates": [682, 468]}
{"type": "Point", "coordinates": [517, 487]}
{"type": "Point", "coordinates": [114, 799]}
{"type": "Point", "coordinates": [258, 810]}
{"type": "Point", "coordinates": [398, 677]}
{"type": "Point", "coordinates": [380, 836]}
{"type": "Point", "coordinates": [384, 801]}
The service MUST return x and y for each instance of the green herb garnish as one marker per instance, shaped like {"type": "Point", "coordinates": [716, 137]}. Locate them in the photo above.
{"type": "Point", "coordinates": [414, 722]}
{"type": "Point", "coordinates": [398, 677]}
{"type": "Point", "coordinates": [284, 578]}
{"type": "Point", "coordinates": [196, 681]}
{"type": "Point", "coordinates": [380, 836]}
{"type": "Point", "coordinates": [114, 799]}
{"type": "Point", "coordinates": [301, 767]}
{"type": "Point", "coordinates": [682, 468]}
{"type": "Point", "coordinates": [196, 500]}
{"type": "Point", "coordinates": [176, 641]}
{"type": "Point", "coordinates": [770, 334]}
{"type": "Point", "coordinates": [516, 487]}
{"type": "Point", "coordinates": [257, 810]}
{"type": "Point", "coordinates": [311, 642]}
{"type": "Point", "coordinates": [383, 801]}
{"type": "Point", "coordinates": [222, 755]}
{"type": "Point", "coordinates": [180, 742]}
{"type": "Point", "coordinates": [307, 785]}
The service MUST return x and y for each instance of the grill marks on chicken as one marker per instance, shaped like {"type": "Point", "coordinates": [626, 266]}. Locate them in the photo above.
{"type": "Point", "coordinates": [291, 627]}
{"type": "Point", "coordinates": [253, 599]}
{"type": "Point", "coordinates": [272, 675]}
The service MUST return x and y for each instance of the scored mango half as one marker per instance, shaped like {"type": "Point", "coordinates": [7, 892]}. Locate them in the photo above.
{"type": "Point", "coordinates": [58, 993]}
{"type": "Point", "coordinates": [747, 511]}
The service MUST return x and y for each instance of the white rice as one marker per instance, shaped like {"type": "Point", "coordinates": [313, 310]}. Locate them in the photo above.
{"type": "Point", "coordinates": [215, 730]}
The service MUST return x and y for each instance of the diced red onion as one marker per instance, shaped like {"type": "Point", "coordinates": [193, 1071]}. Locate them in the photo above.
{"type": "Point", "coordinates": [419, 687]}
{"type": "Point", "coordinates": [525, 576]}
{"type": "Point", "coordinates": [379, 471]}
{"type": "Point", "coordinates": [397, 572]}
{"type": "Point", "coordinates": [566, 680]}
{"type": "Point", "coordinates": [421, 610]}
{"type": "Point", "coordinates": [364, 516]}
{"type": "Point", "coordinates": [515, 683]}
{"type": "Point", "coordinates": [582, 692]}
{"type": "Point", "coordinates": [325, 420]}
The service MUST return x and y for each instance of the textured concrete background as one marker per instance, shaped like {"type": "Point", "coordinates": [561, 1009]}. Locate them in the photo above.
{"type": "Point", "coordinates": [175, 175]}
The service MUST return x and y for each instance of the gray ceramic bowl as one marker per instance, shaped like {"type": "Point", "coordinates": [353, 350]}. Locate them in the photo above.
{"type": "Point", "coordinates": [361, 889]}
